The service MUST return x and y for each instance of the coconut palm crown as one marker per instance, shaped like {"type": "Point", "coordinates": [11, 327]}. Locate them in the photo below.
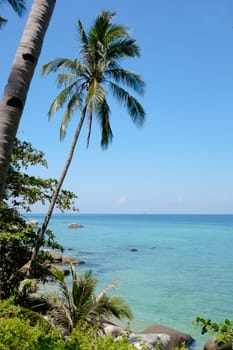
{"type": "Point", "coordinates": [85, 84]}
{"type": "Point", "coordinates": [81, 307]}
{"type": "Point", "coordinates": [85, 81]}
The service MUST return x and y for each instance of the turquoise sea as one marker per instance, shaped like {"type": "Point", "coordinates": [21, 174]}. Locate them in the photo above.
{"type": "Point", "coordinates": [183, 266]}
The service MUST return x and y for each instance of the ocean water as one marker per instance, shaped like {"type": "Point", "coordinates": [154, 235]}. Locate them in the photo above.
{"type": "Point", "coordinates": [183, 266]}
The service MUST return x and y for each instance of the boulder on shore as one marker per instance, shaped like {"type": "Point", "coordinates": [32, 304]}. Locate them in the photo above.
{"type": "Point", "coordinates": [75, 225]}
{"type": "Point", "coordinates": [58, 258]}
{"type": "Point", "coordinates": [66, 259]}
{"type": "Point", "coordinates": [151, 341]}
{"type": "Point", "coordinates": [32, 223]}
{"type": "Point", "coordinates": [176, 337]}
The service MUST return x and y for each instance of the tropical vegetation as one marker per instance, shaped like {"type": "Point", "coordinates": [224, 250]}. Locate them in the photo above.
{"type": "Point", "coordinates": [17, 238]}
{"type": "Point", "coordinates": [82, 307]}
{"type": "Point", "coordinates": [29, 318]}
{"type": "Point", "coordinates": [222, 331]}
{"type": "Point", "coordinates": [85, 84]}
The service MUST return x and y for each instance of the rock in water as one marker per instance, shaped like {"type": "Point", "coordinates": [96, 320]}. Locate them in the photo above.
{"type": "Point", "coordinates": [75, 225]}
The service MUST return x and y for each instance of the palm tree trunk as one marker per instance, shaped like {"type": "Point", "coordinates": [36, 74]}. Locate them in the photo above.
{"type": "Point", "coordinates": [44, 226]}
{"type": "Point", "coordinates": [15, 93]}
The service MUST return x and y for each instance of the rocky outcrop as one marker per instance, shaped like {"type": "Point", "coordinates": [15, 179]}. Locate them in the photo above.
{"type": "Point", "coordinates": [66, 259]}
{"type": "Point", "coordinates": [167, 338]}
{"type": "Point", "coordinates": [58, 258]}
{"type": "Point", "coordinates": [176, 337]}
{"type": "Point", "coordinates": [32, 223]}
{"type": "Point", "coordinates": [150, 341]}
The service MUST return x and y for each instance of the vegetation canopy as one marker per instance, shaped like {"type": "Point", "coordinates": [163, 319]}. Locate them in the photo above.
{"type": "Point", "coordinates": [86, 81]}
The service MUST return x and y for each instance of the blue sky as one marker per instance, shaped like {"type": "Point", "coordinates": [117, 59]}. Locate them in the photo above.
{"type": "Point", "coordinates": [181, 161]}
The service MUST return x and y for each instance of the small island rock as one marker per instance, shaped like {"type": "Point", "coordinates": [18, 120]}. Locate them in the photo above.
{"type": "Point", "coordinates": [133, 249]}
{"type": "Point", "coordinates": [176, 337]}
{"type": "Point", "coordinates": [75, 225]}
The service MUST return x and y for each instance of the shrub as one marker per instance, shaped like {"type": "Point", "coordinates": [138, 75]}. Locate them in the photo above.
{"type": "Point", "coordinates": [222, 331]}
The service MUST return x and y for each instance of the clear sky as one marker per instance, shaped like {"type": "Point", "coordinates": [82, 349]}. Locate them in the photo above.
{"type": "Point", "coordinates": [181, 161]}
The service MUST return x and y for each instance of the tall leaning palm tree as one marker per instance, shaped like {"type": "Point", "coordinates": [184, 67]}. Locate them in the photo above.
{"type": "Point", "coordinates": [21, 74]}
{"type": "Point", "coordinates": [17, 5]}
{"type": "Point", "coordinates": [85, 83]}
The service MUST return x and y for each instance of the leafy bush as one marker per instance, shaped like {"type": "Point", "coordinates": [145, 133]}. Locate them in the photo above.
{"type": "Point", "coordinates": [17, 333]}
{"type": "Point", "coordinates": [16, 242]}
{"type": "Point", "coordinates": [85, 340]}
{"type": "Point", "coordinates": [223, 331]}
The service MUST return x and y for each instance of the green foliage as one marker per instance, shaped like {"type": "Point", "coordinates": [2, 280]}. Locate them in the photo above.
{"type": "Point", "coordinates": [17, 331]}
{"type": "Point", "coordinates": [183, 346]}
{"type": "Point", "coordinates": [24, 190]}
{"type": "Point", "coordinates": [22, 329]}
{"type": "Point", "coordinates": [86, 340]}
{"type": "Point", "coordinates": [222, 331]}
{"type": "Point", "coordinates": [16, 242]}
{"type": "Point", "coordinates": [81, 305]}
{"type": "Point", "coordinates": [87, 82]}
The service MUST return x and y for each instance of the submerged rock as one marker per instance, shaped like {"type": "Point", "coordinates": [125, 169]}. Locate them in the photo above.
{"type": "Point", "coordinates": [133, 249]}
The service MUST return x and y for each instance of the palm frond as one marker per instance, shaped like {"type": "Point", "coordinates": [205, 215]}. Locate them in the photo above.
{"type": "Point", "coordinates": [19, 6]}
{"type": "Point", "coordinates": [83, 36]}
{"type": "Point", "coordinates": [64, 79]}
{"type": "Point", "coordinates": [102, 23]}
{"type": "Point", "coordinates": [57, 275]}
{"type": "Point", "coordinates": [122, 48]}
{"type": "Point", "coordinates": [134, 108]}
{"type": "Point", "coordinates": [2, 22]}
{"type": "Point", "coordinates": [128, 78]}
{"type": "Point", "coordinates": [119, 309]}
{"type": "Point", "coordinates": [35, 317]}
{"type": "Point", "coordinates": [60, 63]}
{"type": "Point", "coordinates": [115, 32]}
{"type": "Point", "coordinates": [83, 289]}
{"type": "Point", "coordinates": [103, 292]}
{"type": "Point", "coordinates": [61, 99]}
{"type": "Point", "coordinates": [103, 116]}
{"type": "Point", "coordinates": [60, 314]}
{"type": "Point", "coordinates": [73, 104]}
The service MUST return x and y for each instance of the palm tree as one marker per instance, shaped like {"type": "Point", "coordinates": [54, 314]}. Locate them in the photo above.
{"type": "Point", "coordinates": [85, 83]}
{"type": "Point", "coordinates": [14, 97]}
{"type": "Point", "coordinates": [17, 5]}
{"type": "Point", "coordinates": [81, 306]}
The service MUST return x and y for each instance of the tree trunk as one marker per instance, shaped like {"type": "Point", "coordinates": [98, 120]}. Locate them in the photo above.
{"type": "Point", "coordinates": [15, 93]}
{"type": "Point", "coordinates": [35, 251]}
